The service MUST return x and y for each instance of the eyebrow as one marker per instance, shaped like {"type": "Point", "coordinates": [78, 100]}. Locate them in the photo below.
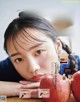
{"type": "Point", "coordinates": [18, 53]}
{"type": "Point", "coordinates": [14, 54]}
{"type": "Point", "coordinates": [35, 46]}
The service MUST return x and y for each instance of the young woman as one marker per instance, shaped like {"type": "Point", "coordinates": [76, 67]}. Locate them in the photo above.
{"type": "Point", "coordinates": [32, 45]}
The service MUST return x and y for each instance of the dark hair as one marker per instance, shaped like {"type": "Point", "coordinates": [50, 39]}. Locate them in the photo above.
{"type": "Point", "coordinates": [28, 20]}
{"type": "Point", "coordinates": [73, 62]}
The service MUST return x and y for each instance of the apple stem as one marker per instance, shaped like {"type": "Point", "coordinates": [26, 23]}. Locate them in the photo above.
{"type": "Point", "coordinates": [64, 77]}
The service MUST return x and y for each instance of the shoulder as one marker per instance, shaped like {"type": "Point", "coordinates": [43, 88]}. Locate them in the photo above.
{"type": "Point", "coordinates": [6, 63]}
{"type": "Point", "coordinates": [8, 71]}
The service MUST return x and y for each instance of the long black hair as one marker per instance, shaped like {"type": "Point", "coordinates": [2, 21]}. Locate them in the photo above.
{"type": "Point", "coordinates": [28, 20]}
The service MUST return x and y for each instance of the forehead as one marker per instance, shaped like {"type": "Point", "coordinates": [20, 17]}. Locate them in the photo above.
{"type": "Point", "coordinates": [25, 39]}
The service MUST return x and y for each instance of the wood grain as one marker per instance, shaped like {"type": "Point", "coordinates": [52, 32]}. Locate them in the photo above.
{"type": "Point", "coordinates": [23, 100]}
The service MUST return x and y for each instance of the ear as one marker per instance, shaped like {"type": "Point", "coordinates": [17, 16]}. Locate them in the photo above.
{"type": "Point", "coordinates": [58, 46]}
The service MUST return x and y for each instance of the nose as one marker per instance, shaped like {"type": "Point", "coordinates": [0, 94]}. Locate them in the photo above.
{"type": "Point", "coordinates": [33, 65]}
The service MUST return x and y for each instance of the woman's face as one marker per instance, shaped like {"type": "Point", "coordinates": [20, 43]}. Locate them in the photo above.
{"type": "Point", "coordinates": [32, 58]}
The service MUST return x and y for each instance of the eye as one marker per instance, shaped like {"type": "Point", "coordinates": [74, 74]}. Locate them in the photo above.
{"type": "Point", "coordinates": [39, 52]}
{"type": "Point", "coordinates": [18, 60]}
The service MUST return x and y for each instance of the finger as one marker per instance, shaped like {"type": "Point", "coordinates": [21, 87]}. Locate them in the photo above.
{"type": "Point", "coordinates": [31, 85]}
{"type": "Point", "coordinates": [24, 82]}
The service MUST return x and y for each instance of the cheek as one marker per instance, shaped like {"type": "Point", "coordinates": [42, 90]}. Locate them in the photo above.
{"type": "Point", "coordinates": [20, 68]}
{"type": "Point", "coordinates": [46, 61]}
{"type": "Point", "coordinates": [53, 56]}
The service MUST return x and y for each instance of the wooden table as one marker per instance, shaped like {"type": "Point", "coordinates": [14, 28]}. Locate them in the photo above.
{"type": "Point", "coordinates": [23, 100]}
{"type": "Point", "coordinates": [16, 99]}
{"type": "Point", "coordinates": [31, 100]}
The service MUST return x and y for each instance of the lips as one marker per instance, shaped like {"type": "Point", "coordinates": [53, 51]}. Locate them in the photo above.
{"type": "Point", "coordinates": [36, 78]}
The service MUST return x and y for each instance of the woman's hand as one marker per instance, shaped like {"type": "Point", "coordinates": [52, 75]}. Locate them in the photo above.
{"type": "Point", "coordinates": [29, 89]}
{"type": "Point", "coordinates": [14, 88]}
{"type": "Point", "coordinates": [9, 88]}
{"type": "Point", "coordinates": [29, 85]}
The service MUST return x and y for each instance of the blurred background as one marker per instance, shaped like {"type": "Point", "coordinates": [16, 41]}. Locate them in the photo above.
{"type": "Point", "coordinates": [63, 14]}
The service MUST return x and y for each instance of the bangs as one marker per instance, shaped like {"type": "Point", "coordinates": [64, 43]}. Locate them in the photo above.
{"type": "Point", "coordinates": [24, 37]}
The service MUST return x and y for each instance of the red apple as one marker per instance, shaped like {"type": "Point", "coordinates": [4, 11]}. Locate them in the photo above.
{"type": "Point", "coordinates": [75, 85]}
{"type": "Point", "coordinates": [59, 88]}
